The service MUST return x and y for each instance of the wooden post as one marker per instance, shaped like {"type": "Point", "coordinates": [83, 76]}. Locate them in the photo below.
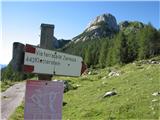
{"type": "Point", "coordinates": [46, 42]}
{"type": "Point", "coordinates": [17, 56]}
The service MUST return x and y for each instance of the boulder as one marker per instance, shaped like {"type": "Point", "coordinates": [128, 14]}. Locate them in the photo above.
{"type": "Point", "coordinates": [67, 85]}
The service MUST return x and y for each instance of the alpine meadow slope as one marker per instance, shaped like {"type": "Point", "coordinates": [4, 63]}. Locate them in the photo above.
{"type": "Point", "coordinates": [134, 100]}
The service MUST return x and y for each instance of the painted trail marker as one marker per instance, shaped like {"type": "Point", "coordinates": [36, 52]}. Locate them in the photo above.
{"type": "Point", "coordinates": [43, 61]}
{"type": "Point", "coordinates": [43, 100]}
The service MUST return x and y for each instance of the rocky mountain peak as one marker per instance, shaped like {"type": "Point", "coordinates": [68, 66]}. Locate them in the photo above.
{"type": "Point", "coordinates": [105, 20]}
{"type": "Point", "coordinates": [102, 26]}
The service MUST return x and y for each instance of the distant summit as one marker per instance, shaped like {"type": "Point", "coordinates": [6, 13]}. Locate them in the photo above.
{"type": "Point", "coordinates": [105, 25]}
{"type": "Point", "coordinates": [101, 26]}
{"type": "Point", "coordinates": [107, 21]}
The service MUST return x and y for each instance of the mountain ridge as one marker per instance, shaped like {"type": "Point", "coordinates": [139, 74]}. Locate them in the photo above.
{"type": "Point", "coordinates": [105, 25]}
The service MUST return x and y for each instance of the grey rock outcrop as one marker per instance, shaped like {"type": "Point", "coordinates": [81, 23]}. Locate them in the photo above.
{"type": "Point", "coordinates": [105, 20]}
{"type": "Point", "coordinates": [102, 26]}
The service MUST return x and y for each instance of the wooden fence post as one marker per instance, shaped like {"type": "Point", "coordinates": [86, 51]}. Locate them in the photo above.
{"type": "Point", "coordinates": [46, 42]}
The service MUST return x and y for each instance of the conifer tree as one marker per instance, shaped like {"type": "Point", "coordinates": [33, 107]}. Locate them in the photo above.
{"type": "Point", "coordinates": [103, 54]}
{"type": "Point", "coordinates": [88, 56]}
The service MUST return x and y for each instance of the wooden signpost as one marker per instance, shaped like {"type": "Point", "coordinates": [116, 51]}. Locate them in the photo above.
{"type": "Point", "coordinates": [48, 62]}
{"type": "Point", "coordinates": [43, 98]}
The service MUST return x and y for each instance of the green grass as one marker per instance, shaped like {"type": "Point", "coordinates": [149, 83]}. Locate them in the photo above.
{"type": "Point", "coordinates": [19, 113]}
{"type": "Point", "coordinates": [6, 84]}
{"type": "Point", "coordinates": [134, 86]}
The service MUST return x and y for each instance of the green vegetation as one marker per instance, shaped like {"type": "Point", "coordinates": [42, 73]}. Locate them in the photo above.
{"type": "Point", "coordinates": [135, 85]}
{"type": "Point", "coordinates": [6, 84]}
{"type": "Point", "coordinates": [19, 113]}
{"type": "Point", "coordinates": [134, 100]}
{"type": "Point", "coordinates": [9, 74]}
{"type": "Point", "coordinates": [120, 48]}
{"type": "Point", "coordinates": [141, 42]}
{"type": "Point", "coordinates": [10, 77]}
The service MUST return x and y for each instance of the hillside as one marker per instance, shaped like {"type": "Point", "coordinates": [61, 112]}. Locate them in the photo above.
{"type": "Point", "coordinates": [106, 43]}
{"type": "Point", "coordinates": [134, 100]}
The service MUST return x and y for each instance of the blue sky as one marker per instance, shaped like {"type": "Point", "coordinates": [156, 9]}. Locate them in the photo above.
{"type": "Point", "coordinates": [21, 20]}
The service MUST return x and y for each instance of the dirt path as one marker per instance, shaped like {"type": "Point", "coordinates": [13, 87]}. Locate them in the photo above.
{"type": "Point", "coordinates": [11, 98]}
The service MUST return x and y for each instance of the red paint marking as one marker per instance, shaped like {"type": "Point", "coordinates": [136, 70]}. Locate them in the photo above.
{"type": "Point", "coordinates": [28, 68]}
{"type": "Point", "coordinates": [30, 48]}
{"type": "Point", "coordinates": [84, 67]}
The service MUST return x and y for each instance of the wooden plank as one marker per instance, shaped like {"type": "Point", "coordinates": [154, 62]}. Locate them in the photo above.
{"type": "Point", "coordinates": [43, 61]}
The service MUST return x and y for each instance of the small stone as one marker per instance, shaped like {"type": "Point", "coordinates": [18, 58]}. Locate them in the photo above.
{"type": "Point", "coordinates": [113, 73]}
{"type": "Point", "coordinates": [104, 83]}
{"type": "Point", "coordinates": [156, 93]}
{"type": "Point", "coordinates": [104, 77]}
{"type": "Point", "coordinates": [110, 93]}
{"type": "Point", "coordinates": [78, 85]}
{"type": "Point", "coordinates": [154, 100]}
{"type": "Point", "coordinates": [89, 73]}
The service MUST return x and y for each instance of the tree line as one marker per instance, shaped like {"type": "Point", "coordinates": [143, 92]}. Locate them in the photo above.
{"type": "Point", "coordinates": [120, 49]}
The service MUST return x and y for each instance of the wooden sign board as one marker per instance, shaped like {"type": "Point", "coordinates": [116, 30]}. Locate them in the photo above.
{"type": "Point", "coordinates": [43, 61]}
{"type": "Point", "coordinates": [43, 100]}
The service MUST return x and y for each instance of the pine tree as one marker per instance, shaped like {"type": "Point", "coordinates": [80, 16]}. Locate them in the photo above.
{"type": "Point", "coordinates": [146, 42]}
{"type": "Point", "coordinates": [88, 56]}
{"type": "Point", "coordinates": [119, 49]}
{"type": "Point", "coordinates": [132, 47]}
{"type": "Point", "coordinates": [110, 60]}
{"type": "Point", "coordinates": [103, 54]}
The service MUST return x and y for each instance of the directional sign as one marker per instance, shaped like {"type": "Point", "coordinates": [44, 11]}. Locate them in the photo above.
{"type": "Point", "coordinates": [43, 100]}
{"type": "Point", "coordinates": [43, 61]}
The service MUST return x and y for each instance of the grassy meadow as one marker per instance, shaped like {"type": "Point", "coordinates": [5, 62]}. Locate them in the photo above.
{"type": "Point", "coordinates": [134, 99]}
